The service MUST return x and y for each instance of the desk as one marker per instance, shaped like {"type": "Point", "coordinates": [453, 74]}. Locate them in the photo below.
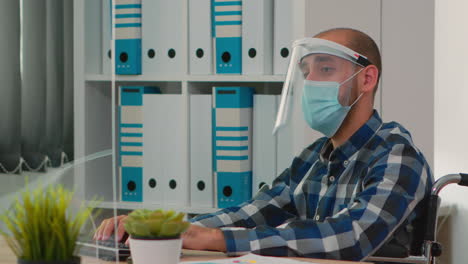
{"type": "Point", "coordinates": [7, 257]}
{"type": "Point", "coordinates": [195, 255]}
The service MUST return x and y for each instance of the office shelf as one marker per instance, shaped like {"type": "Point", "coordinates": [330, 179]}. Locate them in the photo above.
{"type": "Point", "coordinates": [95, 100]}
{"type": "Point", "coordinates": [187, 78]}
{"type": "Point", "coordinates": [153, 206]}
{"type": "Point", "coordinates": [94, 97]}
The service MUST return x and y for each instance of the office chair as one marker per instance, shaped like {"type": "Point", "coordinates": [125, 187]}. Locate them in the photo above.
{"type": "Point", "coordinates": [424, 248]}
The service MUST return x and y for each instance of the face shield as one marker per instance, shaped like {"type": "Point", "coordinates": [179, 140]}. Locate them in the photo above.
{"type": "Point", "coordinates": [320, 79]}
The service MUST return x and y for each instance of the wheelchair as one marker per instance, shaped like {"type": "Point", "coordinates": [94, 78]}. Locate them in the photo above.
{"type": "Point", "coordinates": [424, 249]}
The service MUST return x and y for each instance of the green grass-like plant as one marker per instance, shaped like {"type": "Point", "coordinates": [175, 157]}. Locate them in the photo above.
{"type": "Point", "coordinates": [40, 225]}
{"type": "Point", "coordinates": [157, 224]}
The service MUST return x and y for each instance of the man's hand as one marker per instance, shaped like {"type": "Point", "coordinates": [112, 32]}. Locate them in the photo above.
{"type": "Point", "coordinates": [105, 230]}
{"type": "Point", "coordinates": [203, 238]}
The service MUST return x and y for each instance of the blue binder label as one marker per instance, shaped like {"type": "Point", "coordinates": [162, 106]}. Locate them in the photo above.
{"type": "Point", "coordinates": [132, 184]}
{"type": "Point", "coordinates": [232, 137]}
{"type": "Point", "coordinates": [128, 37]}
{"type": "Point", "coordinates": [227, 31]}
{"type": "Point", "coordinates": [233, 188]}
{"type": "Point", "coordinates": [229, 55]}
{"type": "Point", "coordinates": [131, 140]}
{"type": "Point", "coordinates": [131, 143]}
{"type": "Point", "coordinates": [128, 61]}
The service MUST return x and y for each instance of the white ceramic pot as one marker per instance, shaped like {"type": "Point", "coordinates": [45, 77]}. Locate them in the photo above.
{"type": "Point", "coordinates": [160, 251]}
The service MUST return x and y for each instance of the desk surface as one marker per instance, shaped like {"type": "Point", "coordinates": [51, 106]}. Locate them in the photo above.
{"type": "Point", "coordinates": [7, 257]}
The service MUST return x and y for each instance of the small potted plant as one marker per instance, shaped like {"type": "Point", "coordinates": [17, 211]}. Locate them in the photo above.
{"type": "Point", "coordinates": [155, 235]}
{"type": "Point", "coordinates": [41, 227]}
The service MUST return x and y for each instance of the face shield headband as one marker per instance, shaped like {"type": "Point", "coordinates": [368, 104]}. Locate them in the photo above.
{"type": "Point", "coordinates": [317, 60]}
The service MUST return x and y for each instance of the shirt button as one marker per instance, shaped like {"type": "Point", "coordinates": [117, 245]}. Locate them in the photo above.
{"type": "Point", "coordinates": [317, 217]}
{"type": "Point", "coordinates": [332, 178]}
{"type": "Point", "coordinates": [345, 163]}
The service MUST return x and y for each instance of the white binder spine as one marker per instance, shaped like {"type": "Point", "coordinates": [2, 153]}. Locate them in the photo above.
{"type": "Point", "coordinates": [282, 36]}
{"type": "Point", "coordinates": [264, 143]}
{"type": "Point", "coordinates": [257, 37]}
{"type": "Point", "coordinates": [153, 180]}
{"type": "Point", "coordinates": [164, 157]}
{"type": "Point", "coordinates": [200, 40]}
{"type": "Point", "coordinates": [175, 170]}
{"type": "Point", "coordinates": [201, 172]}
{"type": "Point", "coordinates": [285, 149]}
{"type": "Point", "coordinates": [162, 37]}
{"type": "Point", "coordinates": [106, 37]}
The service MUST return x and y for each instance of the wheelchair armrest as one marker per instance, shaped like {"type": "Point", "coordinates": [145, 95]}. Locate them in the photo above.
{"type": "Point", "coordinates": [392, 251]}
{"type": "Point", "coordinates": [464, 179]}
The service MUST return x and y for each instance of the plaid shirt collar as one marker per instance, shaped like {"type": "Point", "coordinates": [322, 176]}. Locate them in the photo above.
{"type": "Point", "coordinates": [353, 144]}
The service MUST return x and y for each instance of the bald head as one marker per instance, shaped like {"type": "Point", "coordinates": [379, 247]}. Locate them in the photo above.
{"type": "Point", "coordinates": [355, 40]}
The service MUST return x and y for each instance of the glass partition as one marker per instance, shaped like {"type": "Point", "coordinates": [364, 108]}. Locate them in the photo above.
{"type": "Point", "coordinates": [96, 177]}
{"type": "Point", "coordinates": [56, 151]}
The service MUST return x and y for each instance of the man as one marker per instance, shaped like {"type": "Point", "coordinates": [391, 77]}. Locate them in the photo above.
{"type": "Point", "coordinates": [349, 192]}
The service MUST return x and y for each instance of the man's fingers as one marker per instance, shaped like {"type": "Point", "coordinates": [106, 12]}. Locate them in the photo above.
{"type": "Point", "coordinates": [101, 230]}
{"type": "Point", "coordinates": [95, 236]}
{"type": "Point", "coordinates": [105, 230]}
{"type": "Point", "coordinates": [98, 234]}
{"type": "Point", "coordinates": [108, 229]}
{"type": "Point", "coordinates": [120, 230]}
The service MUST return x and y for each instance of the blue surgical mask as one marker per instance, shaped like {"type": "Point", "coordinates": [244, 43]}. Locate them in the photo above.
{"type": "Point", "coordinates": [322, 110]}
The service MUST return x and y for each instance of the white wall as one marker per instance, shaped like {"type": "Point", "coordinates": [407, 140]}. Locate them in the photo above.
{"type": "Point", "coordinates": [451, 115]}
{"type": "Point", "coordinates": [408, 69]}
{"type": "Point", "coordinates": [320, 15]}
{"type": "Point", "coordinates": [404, 31]}
{"type": "Point", "coordinates": [425, 58]}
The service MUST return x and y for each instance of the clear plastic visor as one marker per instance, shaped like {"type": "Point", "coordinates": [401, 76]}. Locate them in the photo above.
{"type": "Point", "coordinates": [318, 62]}
{"type": "Point", "coordinates": [325, 68]}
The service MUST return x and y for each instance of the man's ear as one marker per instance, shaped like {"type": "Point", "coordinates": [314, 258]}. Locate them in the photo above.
{"type": "Point", "coordinates": [368, 78]}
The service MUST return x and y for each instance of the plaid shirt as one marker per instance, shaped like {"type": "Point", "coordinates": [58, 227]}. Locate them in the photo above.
{"type": "Point", "coordinates": [341, 203]}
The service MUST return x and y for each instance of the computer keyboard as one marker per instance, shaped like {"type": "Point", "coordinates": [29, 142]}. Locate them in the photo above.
{"type": "Point", "coordinates": [105, 249]}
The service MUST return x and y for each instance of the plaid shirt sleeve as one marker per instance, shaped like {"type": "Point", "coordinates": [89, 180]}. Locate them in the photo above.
{"type": "Point", "coordinates": [395, 182]}
{"type": "Point", "coordinates": [258, 211]}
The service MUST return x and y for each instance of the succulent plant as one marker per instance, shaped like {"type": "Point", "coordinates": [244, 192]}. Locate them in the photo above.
{"type": "Point", "coordinates": [143, 223]}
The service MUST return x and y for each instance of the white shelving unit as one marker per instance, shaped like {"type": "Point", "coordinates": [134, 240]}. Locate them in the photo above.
{"type": "Point", "coordinates": [93, 100]}
{"type": "Point", "coordinates": [392, 29]}
{"type": "Point", "coordinates": [153, 206]}
{"type": "Point", "coordinates": [403, 29]}
{"type": "Point", "coordinates": [188, 78]}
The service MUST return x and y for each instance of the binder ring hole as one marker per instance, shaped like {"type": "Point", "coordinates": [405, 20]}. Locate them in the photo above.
{"type": "Point", "coordinates": [199, 53]}
{"type": "Point", "coordinates": [151, 53]}
{"type": "Point", "coordinates": [226, 57]}
{"type": "Point", "coordinates": [252, 53]}
{"type": "Point", "coordinates": [152, 183]}
{"type": "Point", "coordinates": [284, 52]}
{"type": "Point", "coordinates": [109, 54]}
{"type": "Point", "coordinates": [201, 185]}
{"type": "Point", "coordinates": [171, 53]}
{"type": "Point", "coordinates": [227, 191]}
{"type": "Point", "coordinates": [261, 185]}
{"type": "Point", "coordinates": [123, 57]}
{"type": "Point", "coordinates": [131, 185]}
{"type": "Point", "coordinates": [173, 184]}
